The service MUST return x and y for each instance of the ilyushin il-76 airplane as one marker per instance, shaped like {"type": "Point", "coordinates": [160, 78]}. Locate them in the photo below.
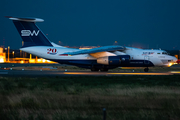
{"type": "Point", "coordinates": [96, 59]}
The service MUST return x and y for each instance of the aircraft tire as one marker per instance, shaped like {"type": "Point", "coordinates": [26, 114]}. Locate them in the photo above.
{"type": "Point", "coordinates": [146, 69]}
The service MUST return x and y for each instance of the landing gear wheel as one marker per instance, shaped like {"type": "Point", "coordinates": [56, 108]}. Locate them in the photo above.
{"type": "Point", "coordinates": [103, 70]}
{"type": "Point", "coordinates": [94, 69]}
{"type": "Point", "coordinates": [146, 69]}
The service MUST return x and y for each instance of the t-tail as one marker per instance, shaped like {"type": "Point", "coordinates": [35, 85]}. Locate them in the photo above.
{"type": "Point", "coordinates": [30, 32]}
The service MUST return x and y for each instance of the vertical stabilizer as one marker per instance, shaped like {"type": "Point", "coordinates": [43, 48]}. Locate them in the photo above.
{"type": "Point", "coordinates": [29, 32]}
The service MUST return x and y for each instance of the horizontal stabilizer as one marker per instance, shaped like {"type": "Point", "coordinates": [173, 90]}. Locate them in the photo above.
{"type": "Point", "coordinates": [25, 19]}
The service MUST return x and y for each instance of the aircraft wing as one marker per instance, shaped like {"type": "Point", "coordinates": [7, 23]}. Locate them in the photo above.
{"type": "Point", "coordinates": [102, 54]}
{"type": "Point", "coordinates": [96, 50]}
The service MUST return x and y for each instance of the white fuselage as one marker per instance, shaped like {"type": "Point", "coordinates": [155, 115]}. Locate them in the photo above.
{"type": "Point", "coordinates": [157, 57]}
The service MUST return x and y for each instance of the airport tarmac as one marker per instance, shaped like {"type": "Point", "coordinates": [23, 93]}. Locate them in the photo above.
{"type": "Point", "coordinates": [8, 69]}
{"type": "Point", "coordinates": [77, 73]}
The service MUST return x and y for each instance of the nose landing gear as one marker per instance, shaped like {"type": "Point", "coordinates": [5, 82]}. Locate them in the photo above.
{"type": "Point", "coordinates": [146, 69]}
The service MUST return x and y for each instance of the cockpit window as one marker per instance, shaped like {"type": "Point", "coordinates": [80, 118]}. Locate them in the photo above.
{"type": "Point", "coordinates": [164, 53]}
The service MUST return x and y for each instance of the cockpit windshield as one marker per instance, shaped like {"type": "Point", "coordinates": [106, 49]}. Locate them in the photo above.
{"type": "Point", "coordinates": [162, 53]}
{"type": "Point", "coordinates": [165, 53]}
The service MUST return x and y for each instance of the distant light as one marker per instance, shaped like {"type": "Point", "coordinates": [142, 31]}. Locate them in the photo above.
{"type": "Point", "coordinates": [31, 60]}
{"type": "Point", "coordinates": [48, 61]}
{"type": "Point", "coordinates": [1, 60]}
{"type": "Point", "coordinates": [43, 60]}
{"type": "Point", "coordinates": [85, 48]}
{"type": "Point", "coordinates": [39, 60]}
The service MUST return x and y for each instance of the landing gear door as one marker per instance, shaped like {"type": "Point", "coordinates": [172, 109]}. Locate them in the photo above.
{"type": "Point", "coordinates": [146, 59]}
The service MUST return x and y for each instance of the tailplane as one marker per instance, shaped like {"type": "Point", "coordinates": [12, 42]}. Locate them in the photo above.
{"type": "Point", "coordinates": [29, 32]}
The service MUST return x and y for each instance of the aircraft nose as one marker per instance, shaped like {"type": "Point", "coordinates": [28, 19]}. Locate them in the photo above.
{"type": "Point", "coordinates": [174, 59]}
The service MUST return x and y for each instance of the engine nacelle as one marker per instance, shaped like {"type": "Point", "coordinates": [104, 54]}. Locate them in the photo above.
{"type": "Point", "coordinates": [114, 60]}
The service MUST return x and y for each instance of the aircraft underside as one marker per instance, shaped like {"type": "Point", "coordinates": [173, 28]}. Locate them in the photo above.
{"type": "Point", "coordinates": [94, 66]}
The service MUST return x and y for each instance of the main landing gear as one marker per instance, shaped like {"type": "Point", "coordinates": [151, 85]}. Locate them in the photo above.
{"type": "Point", "coordinates": [146, 69]}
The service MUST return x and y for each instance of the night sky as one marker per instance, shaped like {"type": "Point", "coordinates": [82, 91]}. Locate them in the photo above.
{"type": "Point", "coordinates": [137, 23]}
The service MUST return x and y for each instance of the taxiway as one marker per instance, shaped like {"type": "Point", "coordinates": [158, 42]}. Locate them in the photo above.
{"type": "Point", "coordinates": [77, 73]}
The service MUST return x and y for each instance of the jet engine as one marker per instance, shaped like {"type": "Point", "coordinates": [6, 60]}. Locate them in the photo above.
{"type": "Point", "coordinates": [114, 60]}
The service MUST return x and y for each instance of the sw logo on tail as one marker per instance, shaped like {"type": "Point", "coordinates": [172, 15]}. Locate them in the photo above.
{"type": "Point", "coordinates": [28, 33]}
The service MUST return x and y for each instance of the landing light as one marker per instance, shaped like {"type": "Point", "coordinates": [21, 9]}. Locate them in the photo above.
{"type": "Point", "coordinates": [170, 64]}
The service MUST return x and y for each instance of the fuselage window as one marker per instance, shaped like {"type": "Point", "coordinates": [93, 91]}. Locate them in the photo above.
{"type": "Point", "coordinates": [158, 53]}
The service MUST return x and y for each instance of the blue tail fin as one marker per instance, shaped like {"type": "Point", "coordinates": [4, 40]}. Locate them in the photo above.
{"type": "Point", "coordinates": [29, 32]}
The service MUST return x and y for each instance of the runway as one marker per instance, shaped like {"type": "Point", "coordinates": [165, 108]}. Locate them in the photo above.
{"type": "Point", "coordinates": [79, 73]}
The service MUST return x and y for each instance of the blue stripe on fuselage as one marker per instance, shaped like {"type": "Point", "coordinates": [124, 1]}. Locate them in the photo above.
{"type": "Point", "coordinates": [133, 63]}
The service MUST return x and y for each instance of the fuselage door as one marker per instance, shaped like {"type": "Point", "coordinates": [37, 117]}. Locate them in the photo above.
{"type": "Point", "coordinates": [146, 59]}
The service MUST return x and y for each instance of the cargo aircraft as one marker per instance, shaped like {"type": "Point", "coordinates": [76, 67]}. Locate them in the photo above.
{"type": "Point", "coordinates": [96, 59]}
